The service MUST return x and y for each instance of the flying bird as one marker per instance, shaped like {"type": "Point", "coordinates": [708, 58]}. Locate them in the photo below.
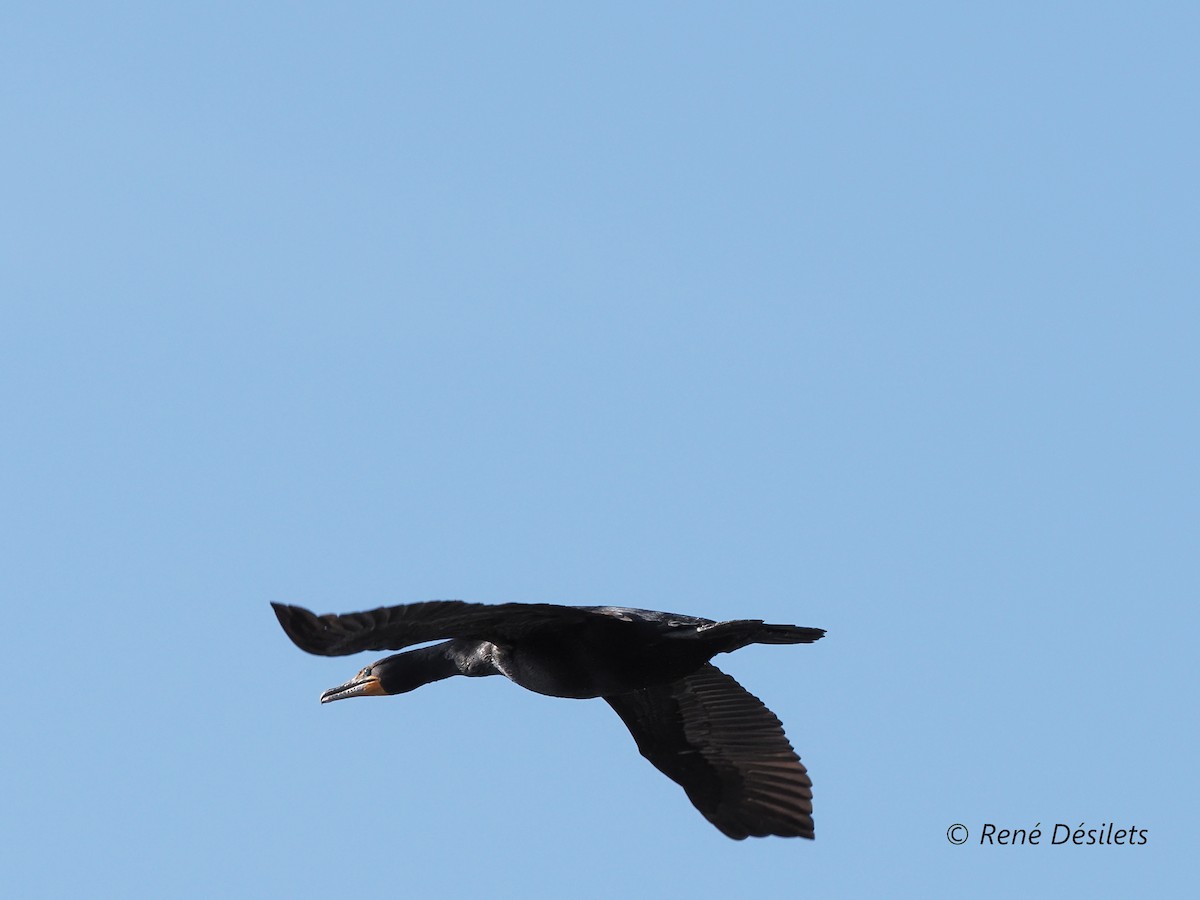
{"type": "Point", "coordinates": [697, 725]}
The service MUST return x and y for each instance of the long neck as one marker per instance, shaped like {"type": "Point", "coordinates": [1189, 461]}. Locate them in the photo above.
{"type": "Point", "coordinates": [410, 670]}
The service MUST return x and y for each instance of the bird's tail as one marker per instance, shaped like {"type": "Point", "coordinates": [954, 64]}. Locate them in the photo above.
{"type": "Point", "coordinates": [740, 633]}
{"type": "Point", "coordinates": [786, 634]}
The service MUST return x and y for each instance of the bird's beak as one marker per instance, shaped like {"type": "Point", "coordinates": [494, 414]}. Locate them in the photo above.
{"type": "Point", "coordinates": [358, 686]}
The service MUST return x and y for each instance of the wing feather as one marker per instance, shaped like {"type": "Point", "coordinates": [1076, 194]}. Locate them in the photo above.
{"type": "Point", "coordinates": [726, 749]}
{"type": "Point", "coordinates": [397, 627]}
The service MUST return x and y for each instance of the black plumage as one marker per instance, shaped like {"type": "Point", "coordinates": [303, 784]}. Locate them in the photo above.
{"type": "Point", "coordinates": [696, 724]}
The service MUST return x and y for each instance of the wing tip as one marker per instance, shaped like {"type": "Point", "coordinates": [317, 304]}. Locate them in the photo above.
{"type": "Point", "coordinates": [300, 625]}
{"type": "Point", "coordinates": [740, 830]}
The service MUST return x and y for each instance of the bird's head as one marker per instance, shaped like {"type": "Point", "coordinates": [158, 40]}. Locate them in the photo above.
{"type": "Point", "coordinates": [367, 683]}
{"type": "Point", "coordinates": [397, 674]}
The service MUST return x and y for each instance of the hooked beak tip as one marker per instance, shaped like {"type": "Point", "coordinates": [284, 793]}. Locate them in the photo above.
{"type": "Point", "coordinates": [367, 687]}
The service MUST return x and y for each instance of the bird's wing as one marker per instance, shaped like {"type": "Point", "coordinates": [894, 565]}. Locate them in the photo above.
{"type": "Point", "coordinates": [397, 627]}
{"type": "Point", "coordinates": [629, 614]}
{"type": "Point", "coordinates": [726, 749]}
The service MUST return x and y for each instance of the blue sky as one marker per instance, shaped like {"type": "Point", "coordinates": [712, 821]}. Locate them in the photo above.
{"type": "Point", "coordinates": [877, 319]}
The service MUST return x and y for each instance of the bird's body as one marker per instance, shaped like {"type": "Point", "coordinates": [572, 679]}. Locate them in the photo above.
{"type": "Point", "coordinates": [694, 723]}
{"type": "Point", "coordinates": [599, 656]}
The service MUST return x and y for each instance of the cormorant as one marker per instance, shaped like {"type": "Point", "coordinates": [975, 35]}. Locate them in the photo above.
{"type": "Point", "coordinates": [697, 725]}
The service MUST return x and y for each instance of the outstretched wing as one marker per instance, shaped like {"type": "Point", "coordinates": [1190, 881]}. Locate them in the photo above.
{"type": "Point", "coordinates": [728, 752]}
{"type": "Point", "coordinates": [397, 627]}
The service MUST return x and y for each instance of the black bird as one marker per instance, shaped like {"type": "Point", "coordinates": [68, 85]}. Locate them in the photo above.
{"type": "Point", "coordinates": [697, 725]}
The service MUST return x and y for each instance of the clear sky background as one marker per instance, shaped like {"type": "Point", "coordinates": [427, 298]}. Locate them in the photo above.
{"type": "Point", "coordinates": [871, 317]}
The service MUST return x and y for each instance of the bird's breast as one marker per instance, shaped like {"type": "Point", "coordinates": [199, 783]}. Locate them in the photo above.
{"type": "Point", "coordinates": [546, 671]}
{"type": "Point", "coordinates": [581, 670]}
